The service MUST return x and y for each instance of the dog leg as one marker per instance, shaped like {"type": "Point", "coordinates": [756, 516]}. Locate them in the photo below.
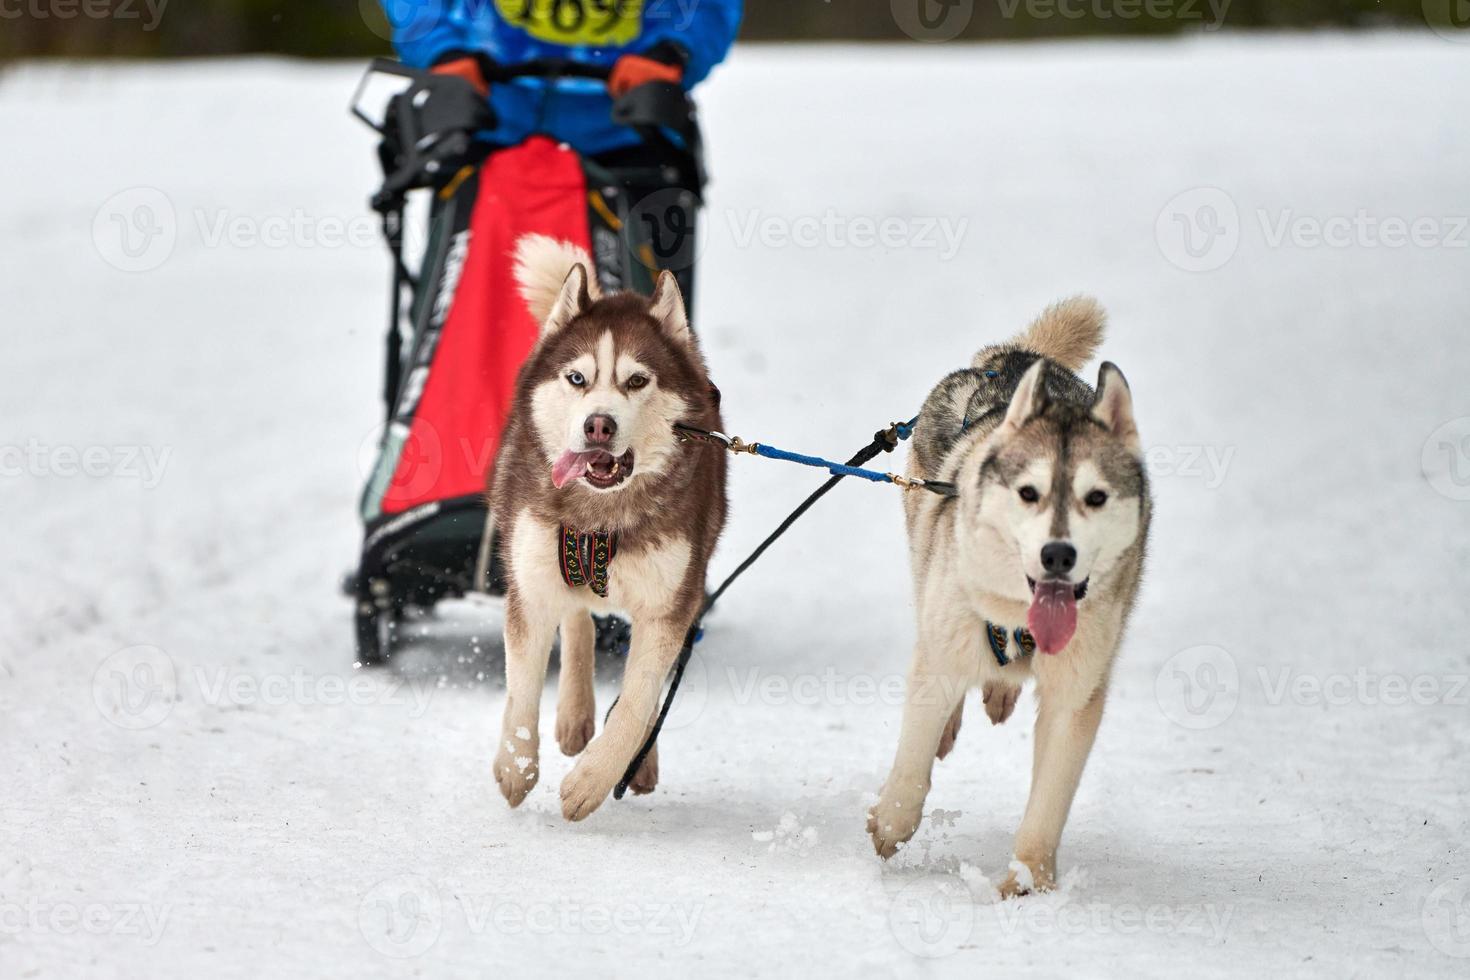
{"type": "Point", "coordinates": [936, 688]}
{"type": "Point", "coordinates": [1000, 700]}
{"type": "Point", "coordinates": [646, 778]}
{"type": "Point", "coordinates": [576, 703]}
{"type": "Point", "coordinates": [528, 636]}
{"type": "Point", "coordinates": [951, 730]}
{"type": "Point", "coordinates": [1064, 737]}
{"type": "Point", "coordinates": [655, 647]}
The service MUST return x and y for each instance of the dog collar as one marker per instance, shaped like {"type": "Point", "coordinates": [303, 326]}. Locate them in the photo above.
{"type": "Point", "coordinates": [999, 640]}
{"type": "Point", "coordinates": [584, 558]}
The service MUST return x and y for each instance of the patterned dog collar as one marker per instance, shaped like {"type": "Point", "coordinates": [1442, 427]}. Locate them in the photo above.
{"type": "Point", "coordinates": [585, 557]}
{"type": "Point", "coordinates": [999, 640]}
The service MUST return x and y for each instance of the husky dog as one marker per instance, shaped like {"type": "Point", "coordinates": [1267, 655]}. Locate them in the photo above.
{"type": "Point", "coordinates": [1031, 569]}
{"type": "Point", "coordinates": [600, 508]}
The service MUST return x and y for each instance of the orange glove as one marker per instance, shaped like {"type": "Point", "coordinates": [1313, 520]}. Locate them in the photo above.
{"type": "Point", "coordinates": [466, 68]}
{"type": "Point", "coordinates": [633, 70]}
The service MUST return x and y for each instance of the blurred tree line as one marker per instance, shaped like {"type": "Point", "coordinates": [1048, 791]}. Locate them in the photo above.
{"type": "Point", "coordinates": [354, 28]}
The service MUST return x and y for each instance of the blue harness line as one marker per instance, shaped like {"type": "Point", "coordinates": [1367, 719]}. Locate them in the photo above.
{"type": "Point", "coordinates": [899, 430]}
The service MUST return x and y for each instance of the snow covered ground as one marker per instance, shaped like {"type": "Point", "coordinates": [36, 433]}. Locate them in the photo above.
{"type": "Point", "coordinates": [196, 781]}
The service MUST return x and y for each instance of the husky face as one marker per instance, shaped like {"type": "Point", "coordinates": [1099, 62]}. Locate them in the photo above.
{"type": "Point", "coordinates": [1056, 498]}
{"type": "Point", "coordinates": [615, 375]}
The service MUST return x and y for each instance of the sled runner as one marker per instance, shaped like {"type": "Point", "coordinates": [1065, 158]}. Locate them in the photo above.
{"type": "Point", "coordinates": [458, 329]}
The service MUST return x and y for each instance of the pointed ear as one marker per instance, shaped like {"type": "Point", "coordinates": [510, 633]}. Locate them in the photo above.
{"type": "Point", "coordinates": [1113, 406]}
{"type": "Point", "coordinates": [571, 301]}
{"type": "Point", "coordinates": [667, 307]}
{"type": "Point", "coordinates": [1030, 398]}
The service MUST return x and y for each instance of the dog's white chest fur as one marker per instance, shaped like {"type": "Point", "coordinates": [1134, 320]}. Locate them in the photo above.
{"type": "Point", "coordinates": [638, 578]}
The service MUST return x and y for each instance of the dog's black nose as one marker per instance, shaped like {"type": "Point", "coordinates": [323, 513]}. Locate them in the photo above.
{"type": "Point", "coordinates": [599, 428]}
{"type": "Point", "coordinates": [1058, 557]}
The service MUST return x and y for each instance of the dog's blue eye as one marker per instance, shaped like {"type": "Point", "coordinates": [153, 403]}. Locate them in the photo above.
{"type": "Point", "coordinates": [576, 379]}
{"type": "Point", "coordinates": [992, 374]}
{"type": "Point", "coordinates": [1028, 493]}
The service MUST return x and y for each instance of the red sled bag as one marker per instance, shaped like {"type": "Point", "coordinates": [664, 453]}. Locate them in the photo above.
{"type": "Point", "coordinates": [452, 361]}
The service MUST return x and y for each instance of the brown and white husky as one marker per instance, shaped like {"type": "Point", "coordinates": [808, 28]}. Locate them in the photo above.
{"type": "Point", "coordinates": [599, 508]}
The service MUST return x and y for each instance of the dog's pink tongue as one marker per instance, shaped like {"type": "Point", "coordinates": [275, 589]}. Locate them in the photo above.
{"type": "Point", "coordinates": [570, 467]}
{"type": "Point", "coordinates": [1052, 618]}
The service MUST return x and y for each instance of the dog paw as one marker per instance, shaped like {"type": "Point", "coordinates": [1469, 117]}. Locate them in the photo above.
{"type": "Point", "coordinates": [517, 768]}
{"type": "Point", "coordinates": [646, 778]}
{"type": "Point", "coordinates": [1000, 700]}
{"type": "Point", "coordinates": [951, 731]}
{"type": "Point", "coordinates": [574, 729]}
{"type": "Point", "coordinates": [587, 785]}
{"type": "Point", "coordinates": [1027, 877]}
{"type": "Point", "coordinates": [891, 823]}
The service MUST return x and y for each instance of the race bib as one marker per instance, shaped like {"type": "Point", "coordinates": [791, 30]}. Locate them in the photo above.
{"type": "Point", "coordinates": [576, 22]}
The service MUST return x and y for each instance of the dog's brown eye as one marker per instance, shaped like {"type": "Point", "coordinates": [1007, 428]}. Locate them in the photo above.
{"type": "Point", "coordinates": [1096, 498]}
{"type": "Point", "coordinates": [1029, 494]}
{"type": "Point", "coordinates": [637, 381]}
{"type": "Point", "coordinates": [576, 380]}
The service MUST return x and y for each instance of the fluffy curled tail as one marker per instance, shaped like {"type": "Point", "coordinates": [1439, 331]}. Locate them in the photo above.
{"type": "Point", "coordinates": [542, 266]}
{"type": "Point", "coordinates": [1068, 332]}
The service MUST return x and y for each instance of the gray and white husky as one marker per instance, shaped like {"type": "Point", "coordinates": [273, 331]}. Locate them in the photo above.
{"type": "Point", "coordinates": [1030, 570]}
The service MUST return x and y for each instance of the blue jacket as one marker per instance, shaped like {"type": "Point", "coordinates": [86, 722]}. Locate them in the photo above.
{"type": "Point", "coordinates": [577, 111]}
